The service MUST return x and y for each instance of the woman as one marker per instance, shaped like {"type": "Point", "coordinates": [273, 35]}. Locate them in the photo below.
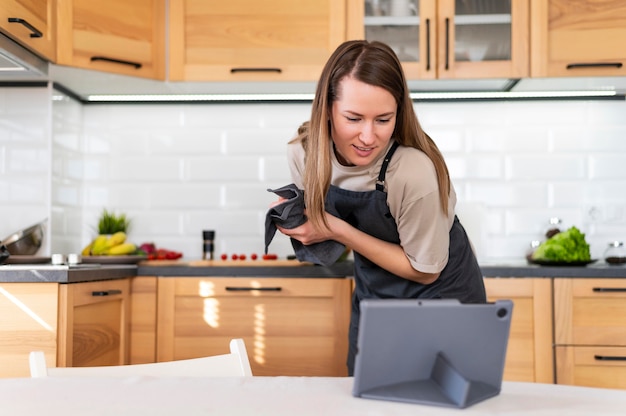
{"type": "Point", "coordinates": [374, 181]}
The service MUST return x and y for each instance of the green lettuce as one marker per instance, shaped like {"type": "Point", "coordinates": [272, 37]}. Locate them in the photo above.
{"type": "Point", "coordinates": [566, 246]}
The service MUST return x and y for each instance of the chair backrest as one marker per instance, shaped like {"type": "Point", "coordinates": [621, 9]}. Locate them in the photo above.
{"type": "Point", "coordinates": [234, 364]}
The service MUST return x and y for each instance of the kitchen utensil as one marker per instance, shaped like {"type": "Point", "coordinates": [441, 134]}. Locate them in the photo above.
{"type": "Point", "coordinates": [58, 259]}
{"type": "Point", "coordinates": [26, 241]}
{"type": "Point", "coordinates": [4, 253]}
{"type": "Point", "coordinates": [400, 8]}
{"type": "Point", "coordinates": [615, 253]}
{"type": "Point", "coordinates": [208, 246]}
{"type": "Point", "coordinates": [74, 258]}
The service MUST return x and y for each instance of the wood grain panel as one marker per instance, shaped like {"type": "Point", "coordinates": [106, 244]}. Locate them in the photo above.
{"type": "Point", "coordinates": [39, 14]}
{"type": "Point", "coordinates": [529, 353]}
{"type": "Point", "coordinates": [298, 330]}
{"type": "Point", "coordinates": [143, 319]}
{"type": "Point", "coordinates": [590, 311]}
{"type": "Point", "coordinates": [94, 327]}
{"type": "Point", "coordinates": [29, 323]}
{"type": "Point", "coordinates": [565, 32]}
{"type": "Point", "coordinates": [127, 31]}
{"type": "Point", "coordinates": [580, 366]}
{"type": "Point", "coordinates": [209, 38]}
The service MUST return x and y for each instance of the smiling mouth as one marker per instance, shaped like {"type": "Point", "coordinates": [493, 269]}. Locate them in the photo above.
{"type": "Point", "coordinates": [364, 149]}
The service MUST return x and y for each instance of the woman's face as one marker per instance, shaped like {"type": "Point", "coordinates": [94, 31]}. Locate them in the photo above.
{"type": "Point", "coordinates": [362, 121]}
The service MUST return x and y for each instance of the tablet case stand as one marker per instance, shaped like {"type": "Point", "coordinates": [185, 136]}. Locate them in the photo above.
{"type": "Point", "coordinates": [444, 384]}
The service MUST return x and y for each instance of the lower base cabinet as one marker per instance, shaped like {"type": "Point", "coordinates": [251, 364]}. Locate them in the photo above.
{"type": "Point", "coordinates": [93, 323]}
{"type": "Point", "coordinates": [29, 322]}
{"type": "Point", "coordinates": [529, 355]}
{"type": "Point", "coordinates": [590, 332]}
{"type": "Point", "coordinates": [291, 326]}
{"type": "Point", "coordinates": [74, 324]}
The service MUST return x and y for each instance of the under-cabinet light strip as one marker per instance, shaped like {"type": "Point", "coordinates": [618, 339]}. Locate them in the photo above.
{"type": "Point", "coordinates": [309, 97]}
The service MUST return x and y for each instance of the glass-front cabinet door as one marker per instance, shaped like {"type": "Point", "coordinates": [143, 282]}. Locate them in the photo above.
{"type": "Point", "coordinates": [448, 39]}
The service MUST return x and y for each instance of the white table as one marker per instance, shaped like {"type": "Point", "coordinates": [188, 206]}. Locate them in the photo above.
{"type": "Point", "coordinates": [275, 396]}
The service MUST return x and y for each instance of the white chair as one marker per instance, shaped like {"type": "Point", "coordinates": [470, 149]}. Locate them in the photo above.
{"type": "Point", "coordinates": [234, 364]}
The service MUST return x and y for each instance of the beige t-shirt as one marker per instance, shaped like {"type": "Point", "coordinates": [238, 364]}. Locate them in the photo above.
{"type": "Point", "coordinates": [412, 197]}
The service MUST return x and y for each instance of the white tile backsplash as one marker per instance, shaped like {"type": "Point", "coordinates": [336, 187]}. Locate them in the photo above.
{"type": "Point", "coordinates": [176, 169]}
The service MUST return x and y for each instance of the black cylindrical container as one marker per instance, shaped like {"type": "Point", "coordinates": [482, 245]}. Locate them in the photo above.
{"type": "Point", "coordinates": [208, 247]}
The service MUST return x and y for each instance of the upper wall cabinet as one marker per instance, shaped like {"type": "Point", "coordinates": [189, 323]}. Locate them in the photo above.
{"type": "Point", "coordinates": [447, 39]}
{"type": "Point", "coordinates": [30, 23]}
{"type": "Point", "coordinates": [572, 38]}
{"type": "Point", "coordinates": [251, 40]}
{"type": "Point", "coordinates": [120, 36]}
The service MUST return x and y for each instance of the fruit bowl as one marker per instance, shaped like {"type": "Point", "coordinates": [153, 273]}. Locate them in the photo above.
{"type": "Point", "coordinates": [130, 259]}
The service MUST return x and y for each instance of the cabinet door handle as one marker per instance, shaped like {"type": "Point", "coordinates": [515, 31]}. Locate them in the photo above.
{"type": "Point", "coordinates": [447, 43]}
{"type": "Point", "coordinates": [609, 358]}
{"type": "Point", "coordinates": [247, 288]}
{"type": "Point", "coordinates": [136, 65]}
{"type": "Point", "coordinates": [595, 65]}
{"type": "Point", "coordinates": [609, 289]}
{"type": "Point", "coordinates": [236, 70]}
{"type": "Point", "coordinates": [106, 292]}
{"type": "Point", "coordinates": [35, 32]}
{"type": "Point", "coordinates": [428, 44]}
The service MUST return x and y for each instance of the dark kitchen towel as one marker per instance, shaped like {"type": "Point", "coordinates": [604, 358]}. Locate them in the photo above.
{"type": "Point", "coordinates": [290, 214]}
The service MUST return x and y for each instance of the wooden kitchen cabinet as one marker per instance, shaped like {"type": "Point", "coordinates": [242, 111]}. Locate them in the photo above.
{"type": "Point", "coordinates": [529, 354]}
{"type": "Point", "coordinates": [574, 38]}
{"type": "Point", "coordinates": [74, 324]}
{"type": "Point", "coordinates": [30, 23]}
{"type": "Point", "coordinates": [143, 316]}
{"type": "Point", "coordinates": [590, 332]}
{"type": "Point", "coordinates": [249, 40]}
{"type": "Point", "coordinates": [93, 323]}
{"type": "Point", "coordinates": [291, 326]}
{"type": "Point", "coordinates": [29, 322]}
{"type": "Point", "coordinates": [124, 37]}
{"type": "Point", "coordinates": [447, 39]}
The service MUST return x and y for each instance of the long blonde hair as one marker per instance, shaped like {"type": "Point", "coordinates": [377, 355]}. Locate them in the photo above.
{"type": "Point", "coordinates": [376, 64]}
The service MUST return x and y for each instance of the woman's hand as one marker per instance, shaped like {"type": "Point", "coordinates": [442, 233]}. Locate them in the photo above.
{"type": "Point", "coordinates": [278, 202]}
{"type": "Point", "coordinates": [307, 234]}
{"type": "Point", "coordinates": [389, 256]}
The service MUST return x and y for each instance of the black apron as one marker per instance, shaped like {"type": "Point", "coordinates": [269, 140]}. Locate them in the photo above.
{"type": "Point", "coordinates": [368, 211]}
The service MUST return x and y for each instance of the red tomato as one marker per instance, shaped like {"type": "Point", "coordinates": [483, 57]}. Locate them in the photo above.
{"type": "Point", "coordinates": [224, 256]}
{"type": "Point", "coordinates": [234, 257]}
{"type": "Point", "coordinates": [253, 256]}
{"type": "Point", "coordinates": [242, 257]}
{"type": "Point", "coordinates": [270, 257]}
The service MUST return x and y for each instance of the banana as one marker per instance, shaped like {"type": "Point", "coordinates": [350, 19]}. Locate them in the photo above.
{"type": "Point", "coordinates": [124, 248]}
{"type": "Point", "coordinates": [87, 250]}
{"type": "Point", "coordinates": [115, 240]}
{"type": "Point", "coordinates": [98, 246]}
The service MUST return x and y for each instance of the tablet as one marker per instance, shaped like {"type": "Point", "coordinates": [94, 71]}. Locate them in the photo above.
{"type": "Point", "coordinates": [433, 351]}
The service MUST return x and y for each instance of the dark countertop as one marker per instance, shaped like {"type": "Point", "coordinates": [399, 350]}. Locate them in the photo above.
{"type": "Point", "coordinates": [92, 272]}
{"type": "Point", "coordinates": [599, 269]}
{"type": "Point", "coordinates": [18, 273]}
{"type": "Point", "coordinates": [340, 269]}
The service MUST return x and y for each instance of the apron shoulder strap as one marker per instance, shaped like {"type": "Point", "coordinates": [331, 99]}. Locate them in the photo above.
{"type": "Point", "coordinates": [380, 182]}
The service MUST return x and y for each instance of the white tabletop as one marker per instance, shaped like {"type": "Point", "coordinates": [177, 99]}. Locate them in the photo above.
{"type": "Point", "coordinates": [275, 396]}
